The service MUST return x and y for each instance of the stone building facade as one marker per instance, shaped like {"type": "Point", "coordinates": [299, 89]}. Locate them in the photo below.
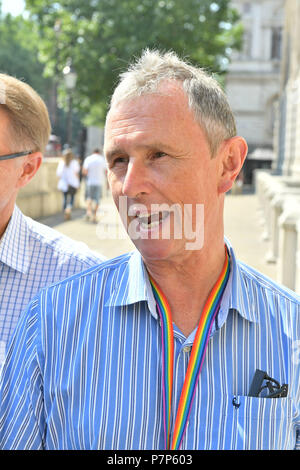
{"type": "Point", "coordinates": [279, 189]}
{"type": "Point", "coordinates": [253, 79]}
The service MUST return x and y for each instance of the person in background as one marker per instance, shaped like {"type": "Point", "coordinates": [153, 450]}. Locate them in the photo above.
{"type": "Point", "coordinates": [68, 173]}
{"type": "Point", "coordinates": [94, 169]}
{"type": "Point", "coordinates": [32, 255]}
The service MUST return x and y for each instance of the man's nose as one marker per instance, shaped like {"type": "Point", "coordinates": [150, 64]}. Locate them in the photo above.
{"type": "Point", "coordinates": [136, 180]}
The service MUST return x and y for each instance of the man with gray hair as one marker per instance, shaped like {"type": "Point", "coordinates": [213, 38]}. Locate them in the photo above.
{"type": "Point", "coordinates": [32, 255]}
{"type": "Point", "coordinates": [176, 345]}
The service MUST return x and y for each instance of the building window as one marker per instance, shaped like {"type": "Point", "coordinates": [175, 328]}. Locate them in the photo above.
{"type": "Point", "coordinates": [276, 43]}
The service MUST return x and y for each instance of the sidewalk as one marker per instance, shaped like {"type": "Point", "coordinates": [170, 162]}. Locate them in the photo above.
{"type": "Point", "coordinates": [242, 227]}
{"type": "Point", "coordinates": [99, 237]}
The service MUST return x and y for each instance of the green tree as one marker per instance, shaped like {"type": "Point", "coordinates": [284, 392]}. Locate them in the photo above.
{"type": "Point", "coordinates": [20, 57]}
{"type": "Point", "coordinates": [19, 53]}
{"type": "Point", "coordinates": [102, 36]}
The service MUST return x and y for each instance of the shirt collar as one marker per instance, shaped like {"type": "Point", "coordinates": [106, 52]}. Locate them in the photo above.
{"type": "Point", "coordinates": [14, 243]}
{"type": "Point", "coordinates": [237, 295]}
{"type": "Point", "coordinates": [133, 285]}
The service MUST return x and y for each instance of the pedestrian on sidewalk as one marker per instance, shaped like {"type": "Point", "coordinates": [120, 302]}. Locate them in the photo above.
{"type": "Point", "coordinates": [32, 255]}
{"type": "Point", "coordinates": [68, 173]}
{"type": "Point", "coordinates": [177, 345]}
{"type": "Point", "coordinates": [94, 169]}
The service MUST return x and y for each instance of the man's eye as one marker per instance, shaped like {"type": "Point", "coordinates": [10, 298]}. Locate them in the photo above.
{"type": "Point", "coordinates": [119, 161]}
{"type": "Point", "coordinates": [159, 155]}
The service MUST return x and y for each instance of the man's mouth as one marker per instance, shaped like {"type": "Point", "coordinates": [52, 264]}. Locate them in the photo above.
{"type": "Point", "coordinates": [151, 221]}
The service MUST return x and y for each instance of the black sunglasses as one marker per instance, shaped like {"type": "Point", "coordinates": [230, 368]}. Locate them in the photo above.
{"type": "Point", "coordinates": [14, 155]}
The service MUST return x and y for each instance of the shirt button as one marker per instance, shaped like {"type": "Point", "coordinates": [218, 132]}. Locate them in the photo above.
{"type": "Point", "coordinates": [186, 349]}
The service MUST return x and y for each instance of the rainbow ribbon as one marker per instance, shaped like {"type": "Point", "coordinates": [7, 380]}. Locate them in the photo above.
{"type": "Point", "coordinates": [197, 355]}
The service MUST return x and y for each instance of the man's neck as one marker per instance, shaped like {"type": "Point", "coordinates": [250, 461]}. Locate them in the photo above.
{"type": "Point", "coordinates": [5, 217]}
{"type": "Point", "coordinates": [187, 287]}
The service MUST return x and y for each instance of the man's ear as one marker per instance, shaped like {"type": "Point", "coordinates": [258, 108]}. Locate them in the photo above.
{"type": "Point", "coordinates": [30, 166]}
{"type": "Point", "coordinates": [233, 155]}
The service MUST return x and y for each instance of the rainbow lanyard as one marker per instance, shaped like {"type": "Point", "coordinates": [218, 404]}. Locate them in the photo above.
{"type": "Point", "coordinates": [196, 360]}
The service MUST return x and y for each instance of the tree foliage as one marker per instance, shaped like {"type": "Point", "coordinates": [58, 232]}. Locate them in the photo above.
{"type": "Point", "coordinates": [19, 52]}
{"type": "Point", "coordinates": [102, 36]}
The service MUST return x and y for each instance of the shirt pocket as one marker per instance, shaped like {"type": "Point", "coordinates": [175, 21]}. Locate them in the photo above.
{"type": "Point", "coordinates": [262, 423]}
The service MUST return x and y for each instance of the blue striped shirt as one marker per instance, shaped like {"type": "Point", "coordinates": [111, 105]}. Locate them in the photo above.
{"type": "Point", "coordinates": [33, 256]}
{"type": "Point", "coordinates": [84, 370]}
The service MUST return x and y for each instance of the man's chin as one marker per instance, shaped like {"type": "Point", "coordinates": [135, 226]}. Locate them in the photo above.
{"type": "Point", "coordinates": [155, 250]}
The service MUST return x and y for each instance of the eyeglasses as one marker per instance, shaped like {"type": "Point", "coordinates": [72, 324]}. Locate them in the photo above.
{"type": "Point", "coordinates": [14, 155]}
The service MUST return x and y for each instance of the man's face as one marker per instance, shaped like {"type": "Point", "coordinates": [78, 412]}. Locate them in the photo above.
{"type": "Point", "coordinates": [157, 154]}
{"type": "Point", "coordinates": [10, 170]}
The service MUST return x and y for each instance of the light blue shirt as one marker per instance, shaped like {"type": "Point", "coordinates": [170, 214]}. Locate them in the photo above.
{"type": "Point", "coordinates": [33, 256]}
{"type": "Point", "coordinates": [84, 370]}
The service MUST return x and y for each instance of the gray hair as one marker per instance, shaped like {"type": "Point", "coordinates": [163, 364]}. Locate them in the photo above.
{"type": "Point", "coordinates": [205, 96]}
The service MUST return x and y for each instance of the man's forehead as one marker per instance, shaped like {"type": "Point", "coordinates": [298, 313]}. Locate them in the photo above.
{"type": "Point", "coordinates": [144, 111]}
{"type": "Point", "coordinates": [3, 114]}
{"type": "Point", "coordinates": [5, 138]}
{"type": "Point", "coordinates": [140, 124]}
{"type": "Point", "coordinates": [148, 118]}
